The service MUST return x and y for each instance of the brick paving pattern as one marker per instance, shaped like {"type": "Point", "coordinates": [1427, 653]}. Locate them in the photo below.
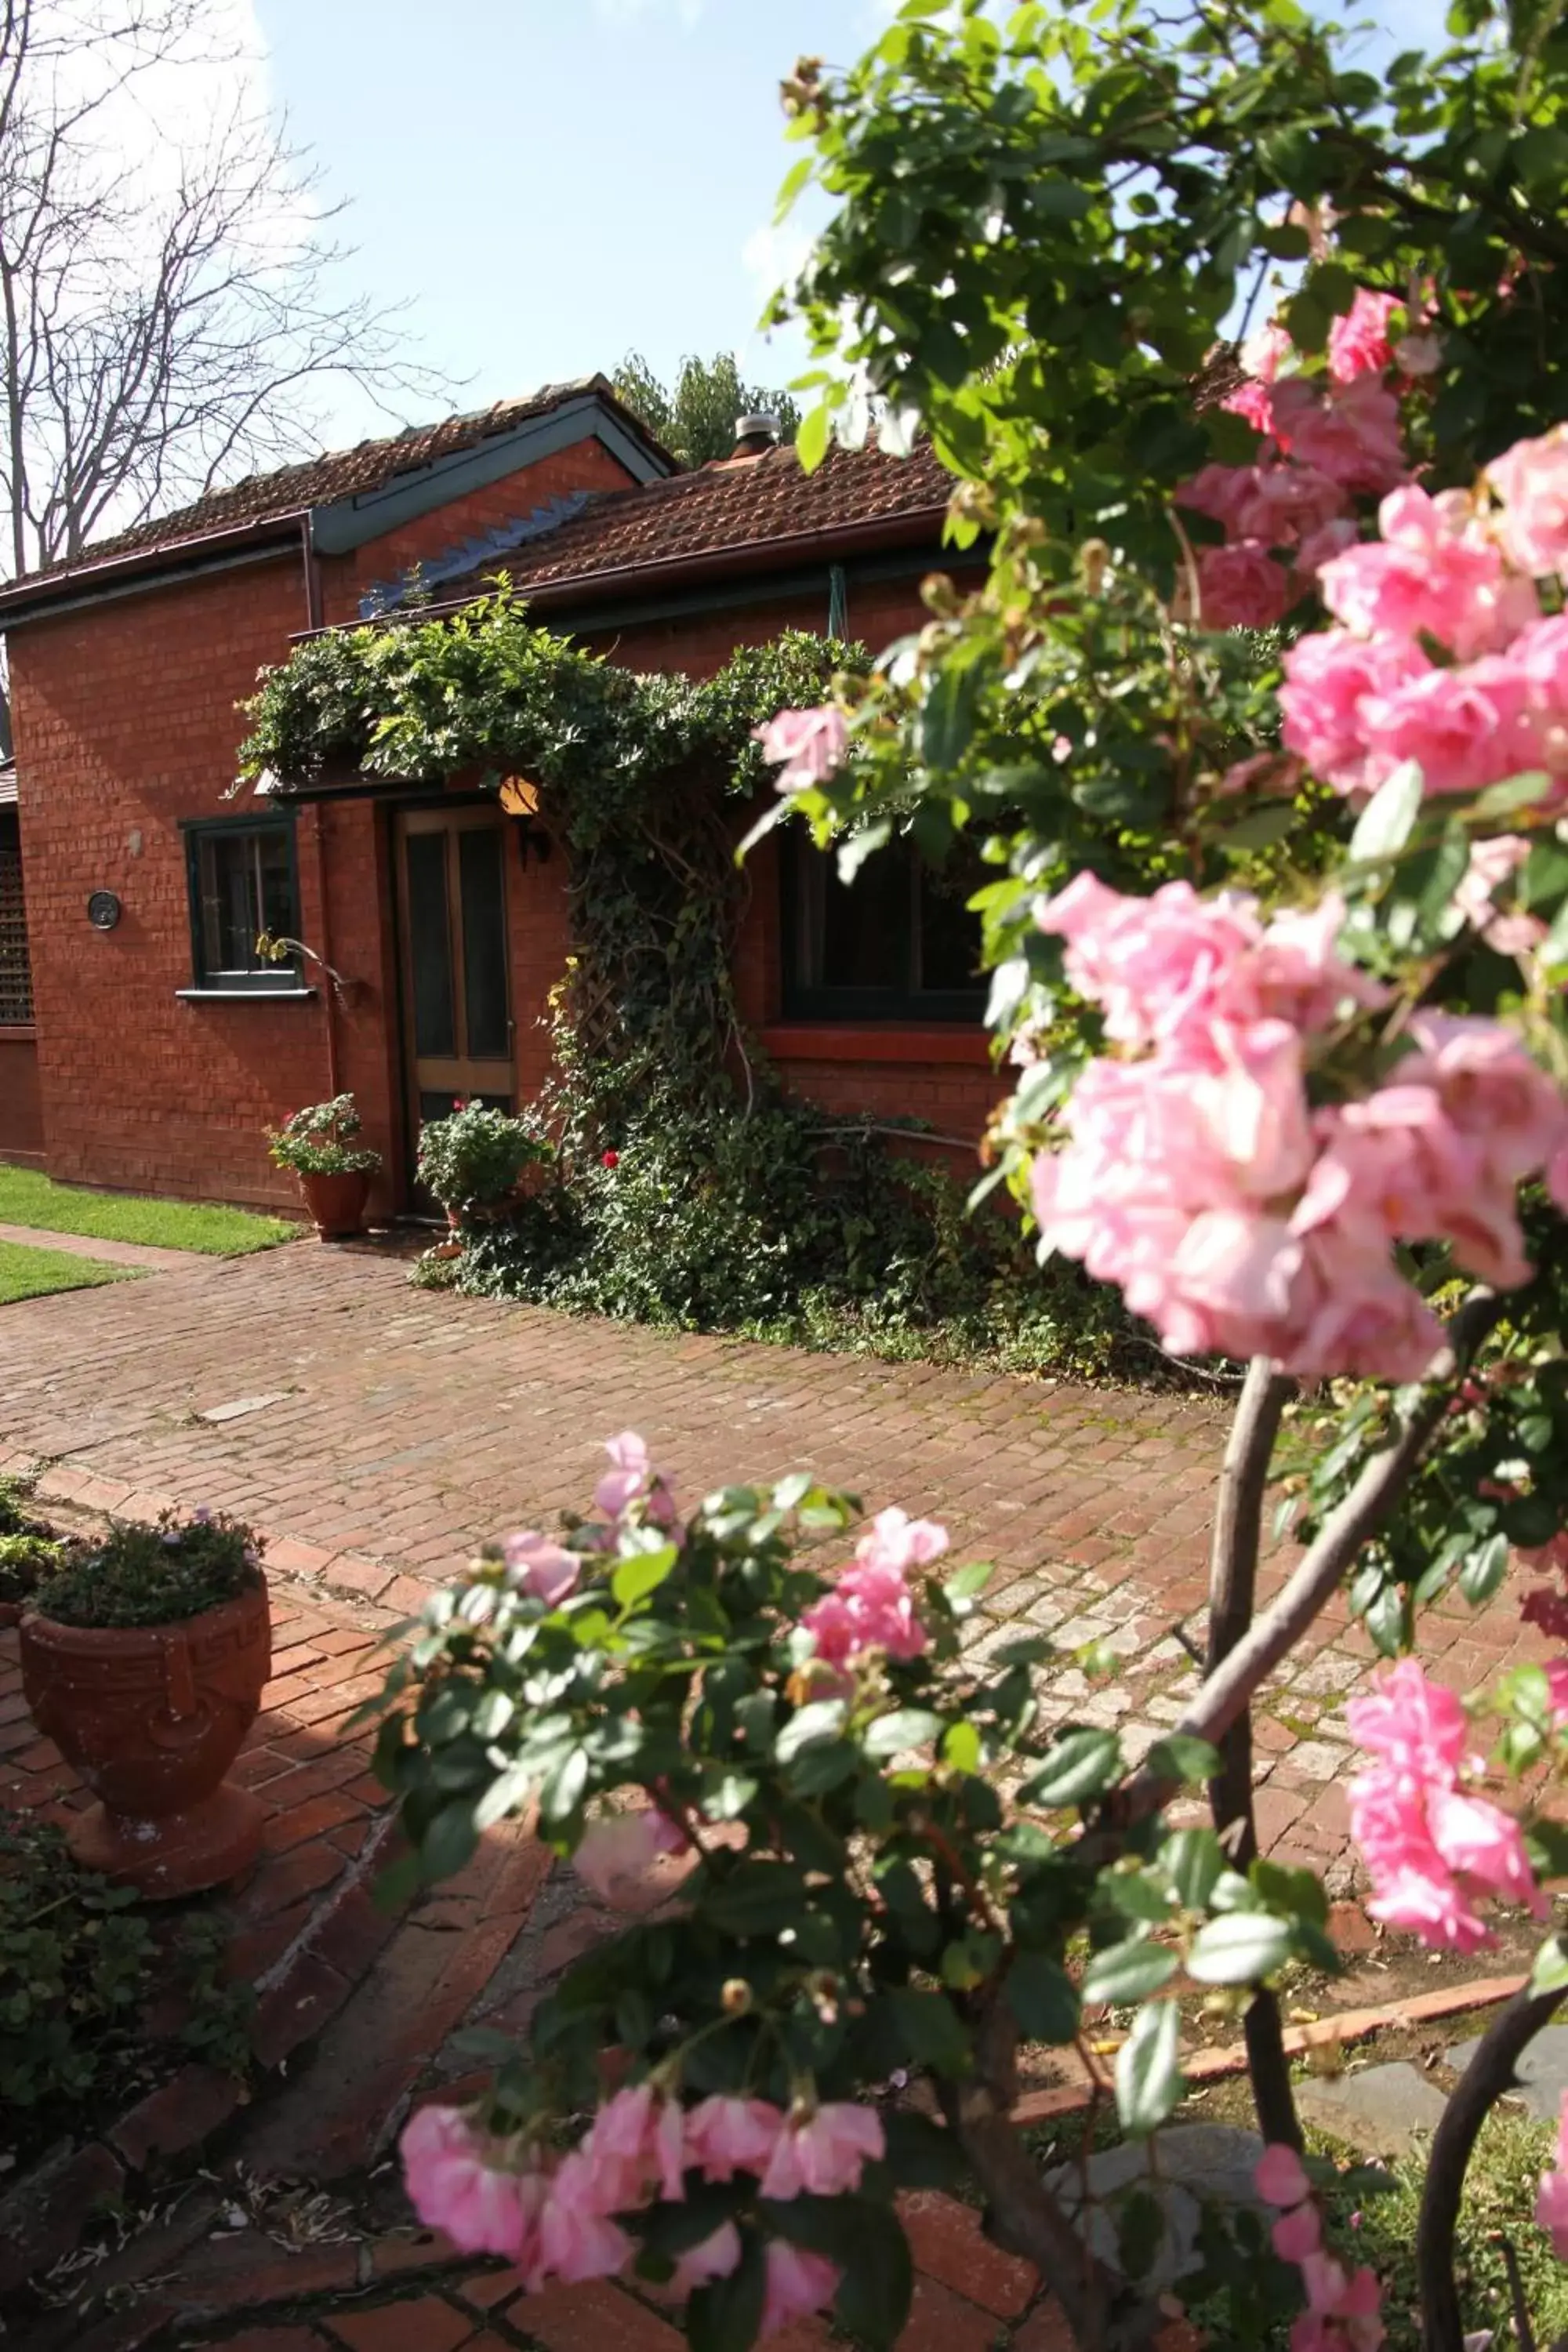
{"type": "Point", "coordinates": [376, 1434]}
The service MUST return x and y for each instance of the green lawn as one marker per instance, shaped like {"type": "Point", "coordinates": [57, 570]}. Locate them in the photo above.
{"type": "Point", "coordinates": [29, 1198]}
{"type": "Point", "coordinates": [33, 1273]}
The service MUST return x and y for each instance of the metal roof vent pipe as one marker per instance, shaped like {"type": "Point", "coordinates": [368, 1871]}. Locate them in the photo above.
{"type": "Point", "coordinates": [755, 435]}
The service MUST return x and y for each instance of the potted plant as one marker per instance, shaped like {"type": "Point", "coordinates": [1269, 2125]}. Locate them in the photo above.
{"type": "Point", "coordinates": [144, 1659]}
{"type": "Point", "coordinates": [476, 1160]}
{"type": "Point", "coordinates": [335, 1172]}
{"type": "Point", "coordinates": [28, 1551]}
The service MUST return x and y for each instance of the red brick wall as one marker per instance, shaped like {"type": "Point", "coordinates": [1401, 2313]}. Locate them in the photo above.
{"type": "Point", "coordinates": [21, 1104]}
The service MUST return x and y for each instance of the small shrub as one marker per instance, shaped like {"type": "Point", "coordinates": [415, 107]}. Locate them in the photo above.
{"type": "Point", "coordinates": [319, 1140]}
{"type": "Point", "coordinates": [153, 1576]}
{"type": "Point", "coordinates": [27, 1550]}
{"type": "Point", "coordinates": [80, 1961]}
{"type": "Point", "coordinates": [473, 1159]}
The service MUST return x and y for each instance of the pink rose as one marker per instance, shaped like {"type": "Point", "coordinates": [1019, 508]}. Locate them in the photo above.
{"type": "Point", "coordinates": [535, 1565]}
{"type": "Point", "coordinates": [825, 2153]}
{"type": "Point", "coordinates": [632, 1479]}
{"type": "Point", "coordinates": [1241, 587]}
{"type": "Point", "coordinates": [1490, 1088]}
{"type": "Point", "coordinates": [1465, 727]}
{"type": "Point", "coordinates": [715, 2258]}
{"type": "Point", "coordinates": [1552, 2211]}
{"type": "Point", "coordinates": [1220, 491]}
{"type": "Point", "coordinates": [1531, 480]}
{"type": "Point", "coordinates": [797, 2283]}
{"type": "Point", "coordinates": [1321, 546]}
{"type": "Point", "coordinates": [899, 1542]}
{"type": "Point", "coordinates": [808, 745]}
{"type": "Point", "coordinates": [1280, 2177]}
{"type": "Point", "coordinates": [1150, 963]}
{"type": "Point", "coordinates": [1485, 1845]}
{"type": "Point", "coordinates": [1353, 435]}
{"type": "Point", "coordinates": [1411, 1722]}
{"type": "Point", "coordinates": [1328, 675]}
{"type": "Point", "coordinates": [615, 1852]}
{"type": "Point", "coordinates": [870, 1608]}
{"type": "Point", "coordinates": [1358, 339]}
{"type": "Point", "coordinates": [577, 2240]}
{"type": "Point", "coordinates": [726, 2136]}
{"type": "Point", "coordinates": [1491, 865]}
{"type": "Point", "coordinates": [1285, 504]}
{"type": "Point", "coordinates": [634, 2148]}
{"type": "Point", "coordinates": [1424, 578]}
{"type": "Point", "coordinates": [1352, 1313]}
{"type": "Point", "coordinates": [459, 2182]}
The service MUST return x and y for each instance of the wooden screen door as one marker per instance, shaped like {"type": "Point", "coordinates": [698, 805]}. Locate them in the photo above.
{"type": "Point", "coordinates": [451, 884]}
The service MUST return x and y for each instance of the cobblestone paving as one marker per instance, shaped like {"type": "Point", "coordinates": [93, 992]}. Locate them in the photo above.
{"type": "Point", "coordinates": [378, 1432]}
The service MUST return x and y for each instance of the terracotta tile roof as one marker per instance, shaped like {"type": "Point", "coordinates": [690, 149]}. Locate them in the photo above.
{"type": "Point", "coordinates": [738, 504]}
{"type": "Point", "coordinates": [336, 473]}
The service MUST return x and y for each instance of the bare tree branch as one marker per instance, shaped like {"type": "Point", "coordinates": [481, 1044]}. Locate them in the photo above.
{"type": "Point", "coordinates": [161, 330]}
{"type": "Point", "coordinates": [1490, 2074]}
{"type": "Point", "coordinates": [1233, 1590]}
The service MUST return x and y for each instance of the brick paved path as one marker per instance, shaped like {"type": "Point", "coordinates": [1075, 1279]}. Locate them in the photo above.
{"type": "Point", "coordinates": [377, 1433]}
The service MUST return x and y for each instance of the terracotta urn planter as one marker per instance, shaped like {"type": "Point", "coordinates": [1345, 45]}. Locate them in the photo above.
{"type": "Point", "coordinates": [151, 1717]}
{"type": "Point", "coordinates": [336, 1203]}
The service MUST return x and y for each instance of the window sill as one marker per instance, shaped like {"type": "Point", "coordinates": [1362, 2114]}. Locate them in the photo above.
{"type": "Point", "coordinates": [894, 1041]}
{"type": "Point", "coordinates": [245, 995]}
{"type": "Point", "coordinates": [18, 1031]}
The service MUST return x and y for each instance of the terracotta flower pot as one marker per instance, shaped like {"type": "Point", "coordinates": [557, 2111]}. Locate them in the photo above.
{"type": "Point", "coordinates": [336, 1201]}
{"type": "Point", "coordinates": [151, 1717]}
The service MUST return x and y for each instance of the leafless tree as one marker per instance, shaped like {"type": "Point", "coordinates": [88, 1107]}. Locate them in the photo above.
{"type": "Point", "coordinates": [168, 293]}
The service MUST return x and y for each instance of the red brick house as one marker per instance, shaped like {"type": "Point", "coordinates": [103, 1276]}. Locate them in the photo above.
{"type": "Point", "coordinates": [144, 1042]}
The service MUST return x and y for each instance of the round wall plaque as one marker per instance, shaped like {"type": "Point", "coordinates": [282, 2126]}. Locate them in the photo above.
{"type": "Point", "coordinates": [103, 910]}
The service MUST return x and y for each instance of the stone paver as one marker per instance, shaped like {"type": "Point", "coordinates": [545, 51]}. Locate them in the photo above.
{"type": "Point", "coordinates": [1379, 2109]}
{"type": "Point", "coordinates": [1542, 2073]}
{"type": "Point", "coordinates": [142, 1253]}
{"type": "Point", "coordinates": [378, 1432]}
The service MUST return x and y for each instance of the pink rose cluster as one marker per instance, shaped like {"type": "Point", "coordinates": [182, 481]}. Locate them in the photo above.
{"type": "Point", "coordinates": [1343, 2312]}
{"type": "Point", "coordinates": [630, 1487]}
{"type": "Point", "coordinates": [872, 1606]}
{"type": "Point", "coordinates": [804, 745]}
{"type": "Point", "coordinates": [1442, 653]}
{"type": "Point", "coordinates": [1431, 1848]}
{"type": "Point", "coordinates": [1325, 445]}
{"type": "Point", "coordinates": [1232, 1215]}
{"type": "Point", "coordinates": [554, 2217]}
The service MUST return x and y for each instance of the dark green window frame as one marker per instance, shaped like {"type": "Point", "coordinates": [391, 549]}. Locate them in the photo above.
{"type": "Point", "coordinates": [215, 854]}
{"type": "Point", "coordinates": [898, 902]}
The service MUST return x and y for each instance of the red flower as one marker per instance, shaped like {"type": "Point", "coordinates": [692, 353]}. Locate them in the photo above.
{"type": "Point", "coordinates": [609, 1159]}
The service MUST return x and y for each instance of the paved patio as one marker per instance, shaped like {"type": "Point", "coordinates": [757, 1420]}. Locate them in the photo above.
{"type": "Point", "coordinates": [376, 1434]}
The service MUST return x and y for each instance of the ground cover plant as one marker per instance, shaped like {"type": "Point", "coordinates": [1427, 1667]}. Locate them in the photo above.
{"type": "Point", "coordinates": [29, 1197]}
{"type": "Point", "coordinates": [29, 1273]}
{"type": "Point", "coordinates": [137, 1574]}
{"type": "Point", "coordinates": [81, 1964]}
{"type": "Point", "coordinates": [1278, 950]}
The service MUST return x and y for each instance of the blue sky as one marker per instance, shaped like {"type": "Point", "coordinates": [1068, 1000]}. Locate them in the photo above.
{"type": "Point", "coordinates": [549, 184]}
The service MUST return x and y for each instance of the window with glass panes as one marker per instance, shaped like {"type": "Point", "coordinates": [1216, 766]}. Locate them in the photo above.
{"type": "Point", "coordinates": [243, 883]}
{"type": "Point", "coordinates": [898, 943]}
{"type": "Point", "coordinates": [15, 972]}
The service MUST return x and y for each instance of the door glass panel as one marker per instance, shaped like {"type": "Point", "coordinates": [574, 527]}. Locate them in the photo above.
{"type": "Point", "coordinates": [430, 944]}
{"type": "Point", "coordinates": [484, 943]}
{"type": "Point", "coordinates": [864, 925]}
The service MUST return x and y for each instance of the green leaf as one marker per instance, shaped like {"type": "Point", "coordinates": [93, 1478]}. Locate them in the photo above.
{"type": "Point", "coordinates": [873, 2299]}
{"type": "Point", "coordinates": [1149, 2078]}
{"type": "Point", "coordinates": [919, 2153]}
{"type": "Point", "coordinates": [635, 1578]}
{"type": "Point", "coordinates": [1386, 824]}
{"type": "Point", "coordinates": [930, 2029]}
{"type": "Point", "coordinates": [1043, 1998]}
{"type": "Point", "coordinates": [1549, 1971]}
{"type": "Point", "coordinates": [823, 1719]}
{"type": "Point", "coordinates": [810, 437]}
{"type": "Point", "coordinates": [1082, 1765]}
{"type": "Point", "coordinates": [966, 1581]}
{"type": "Point", "coordinates": [1181, 1757]}
{"type": "Point", "coordinates": [907, 1726]}
{"type": "Point", "coordinates": [756, 1898]}
{"type": "Point", "coordinates": [1484, 1570]}
{"type": "Point", "coordinates": [1124, 1973]}
{"type": "Point", "coordinates": [1240, 1948]}
{"type": "Point", "coordinates": [1193, 1860]}
{"type": "Point", "coordinates": [450, 1844]}
{"type": "Point", "coordinates": [961, 1748]}
{"type": "Point", "coordinates": [726, 2315]}
{"type": "Point", "coordinates": [561, 1792]}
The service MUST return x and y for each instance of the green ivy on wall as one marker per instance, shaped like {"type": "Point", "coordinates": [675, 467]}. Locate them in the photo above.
{"type": "Point", "coordinates": [726, 1205]}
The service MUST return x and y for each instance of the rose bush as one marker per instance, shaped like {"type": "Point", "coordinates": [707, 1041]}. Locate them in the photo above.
{"type": "Point", "coordinates": [1279, 935]}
